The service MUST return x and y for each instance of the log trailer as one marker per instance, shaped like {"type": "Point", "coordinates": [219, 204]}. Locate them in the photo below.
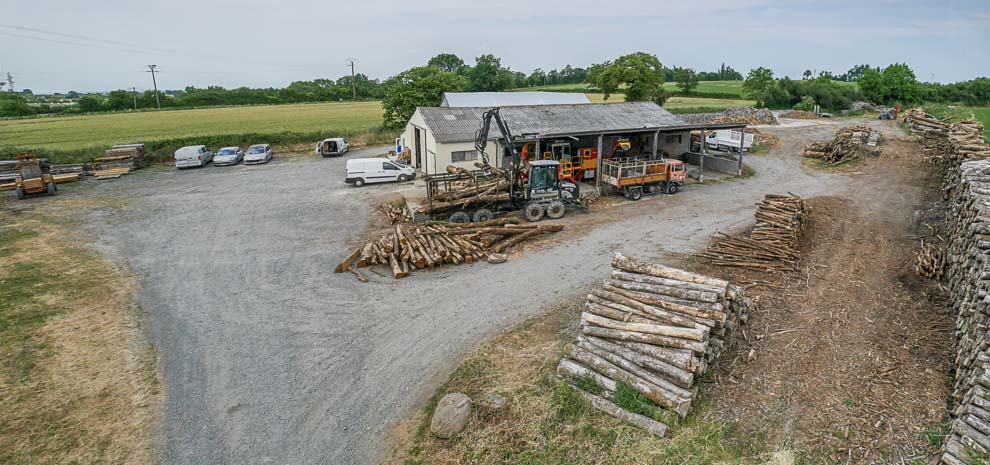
{"type": "Point", "coordinates": [537, 188]}
{"type": "Point", "coordinates": [633, 177]}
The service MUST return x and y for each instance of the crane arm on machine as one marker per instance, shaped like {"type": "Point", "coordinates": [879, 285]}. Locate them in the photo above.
{"type": "Point", "coordinates": [481, 138]}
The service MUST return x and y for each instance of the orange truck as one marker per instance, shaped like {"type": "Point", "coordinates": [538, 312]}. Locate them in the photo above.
{"type": "Point", "coordinates": [632, 178]}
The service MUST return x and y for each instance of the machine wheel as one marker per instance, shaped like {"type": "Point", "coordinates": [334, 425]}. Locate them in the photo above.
{"type": "Point", "coordinates": [556, 210]}
{"type": "Point", "coordinates": [359, 182]}
{"type": "Point", "coordinates": [534, 212]}
{"type": "Point", "coordinates": [52, 190]}
{"type": "Point", "coordinates": [672, 188]}
{"type": "Point", "coordinates": [482, 215]}
{"type": "Point", "coordinates": [635, 193]}
{"type": "Point", "coordinates": [402, 178]}
{"type": "Point", "coordinates": [460, 217]}
{"type": "Point", "coordinates": [20, 193]}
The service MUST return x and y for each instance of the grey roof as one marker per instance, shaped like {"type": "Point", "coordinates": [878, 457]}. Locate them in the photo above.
{"type": "Point", "coordinates": [503, 99]}
{"type": "Point", "coordinates": [529, 122]}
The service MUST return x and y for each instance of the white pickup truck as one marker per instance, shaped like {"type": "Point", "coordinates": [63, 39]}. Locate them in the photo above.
{"type": "Point", "coordinates": [728, 140]}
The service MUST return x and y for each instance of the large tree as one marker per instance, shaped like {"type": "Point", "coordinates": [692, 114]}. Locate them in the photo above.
{"type": "Point", "coordinates": [896, 83]}
{"type": "Point", "coordinates": [758, 84]}
{"type": "Point", "coordinates": [687, 80]}
{"type": "Point", "coordinates": [488, 75]}
{"type": "Point", "coordinates": [448, 62]}
{"type": "Point", "coordinates": [417, 87]}
{"type": "Point", "coordinates": [641, 73]}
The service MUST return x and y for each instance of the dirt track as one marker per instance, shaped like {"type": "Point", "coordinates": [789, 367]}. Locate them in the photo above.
{"type": "Point", "coordinates": [269, 357]}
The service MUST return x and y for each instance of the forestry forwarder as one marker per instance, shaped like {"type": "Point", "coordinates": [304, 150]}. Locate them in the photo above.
{"type": "Point", "coordinates": [535, 187]}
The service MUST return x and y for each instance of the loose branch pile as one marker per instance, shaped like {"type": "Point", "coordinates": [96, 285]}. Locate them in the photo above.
{"type": "Point", "coordinates": [848, 144]}
{"type": "Point", "coordinates": [773, 243]}
{"type": "Point", "coordinates": [655, 329]}
{"type": "Point", "coordinates": [413, 247]}
{"type": "Point", "coordinates": [396, 212]}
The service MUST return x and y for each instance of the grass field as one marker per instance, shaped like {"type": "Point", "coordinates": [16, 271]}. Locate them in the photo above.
{"type": "Point", "coordinates": [684, 104]}
{"type": "Point", "coordinates": [100, 131]}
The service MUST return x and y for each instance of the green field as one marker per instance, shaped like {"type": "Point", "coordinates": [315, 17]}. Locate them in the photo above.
{"type": "Point", "coordinates": [98, 132]}
{"type": "Point", "coordinates": [684, 104]}
{"type": "Point", "coordinates": [962, 112]}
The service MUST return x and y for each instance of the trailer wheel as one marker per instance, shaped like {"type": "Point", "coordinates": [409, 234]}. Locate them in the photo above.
{"type": "Point", "coordinates": [556, 210]}
{"type": "Point", "coordinates": [635, 193]}
{"type": "Point", "coordinates": [672, 188]}
{"type": "Point", "coordinates": [482, 215]}
{"type": "Point", "coordinates": [20, 193]}
{"type": "Point", "coordinates": [533, 212]}
{"type": "Point", "coordinates": [460, 218]}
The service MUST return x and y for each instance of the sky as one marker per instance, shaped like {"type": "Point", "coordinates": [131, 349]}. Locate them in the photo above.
{"type": "Point", "coordinates": [62, 45]}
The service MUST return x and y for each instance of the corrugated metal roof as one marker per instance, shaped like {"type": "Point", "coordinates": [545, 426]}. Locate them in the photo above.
{"type": "Point", "coordinates": [528, 122]}
{"type": "Point", "coordinates": [504, 99]}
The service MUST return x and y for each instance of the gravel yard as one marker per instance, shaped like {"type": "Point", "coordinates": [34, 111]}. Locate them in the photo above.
{"type": "Point", "coordinates": [269, 357]}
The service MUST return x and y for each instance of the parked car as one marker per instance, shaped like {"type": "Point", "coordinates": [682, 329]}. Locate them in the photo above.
{"type": "Point", "coordinates": [194, 155]}
{"type": "Point", "coordinates": [228, 156]}
{"type": "Point", "coordinates": [332, 147]}
{"type": "Point", "coordinates": [259, 153]}
{"type": "Point", "coordinates": [361, 171]}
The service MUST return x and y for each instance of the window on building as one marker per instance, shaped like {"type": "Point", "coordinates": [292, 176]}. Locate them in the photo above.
{"type": "Point", "coordinates": [672, 139]}
{"type": "Point", "coordinates": [464, 155]}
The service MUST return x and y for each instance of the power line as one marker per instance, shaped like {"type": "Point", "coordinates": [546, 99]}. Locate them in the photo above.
{"type": "Point", "coordinates": [151, 69]}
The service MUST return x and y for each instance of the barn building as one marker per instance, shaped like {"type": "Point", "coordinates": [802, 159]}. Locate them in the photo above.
{"type": "Point", "coordinates": [440, 136]}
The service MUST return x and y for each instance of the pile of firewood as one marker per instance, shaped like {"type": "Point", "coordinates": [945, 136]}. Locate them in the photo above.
{"type": "Point", "coordinates": [967, 265]}
{"type": "Point", "coordinates": [655, 329]}
{"type": "Point", "coordinates": [396, 212]}
{"type": "Point", "coordinates": [849, 143]}
{"type": "Point", "coordinates": [411, 247]}
{"type": "Point", "coordinates": [773, 243]}
{"type": "Point", "coordinates": [943, 141]}
{"type": "Point", "coordinates": [748, 115]}
{"type": "Point", "coordinates": [930, 261]}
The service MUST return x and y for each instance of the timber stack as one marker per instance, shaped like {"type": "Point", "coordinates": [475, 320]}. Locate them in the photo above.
{"type": "Point", "coordinates": [411, 247]}
{"type": "Point", "coordinates": [849, 143]}
{"type": "Point", "coordinates": [967, 269]}
{"type": "Point", "coordinates": [653, 329]}
{"type": "Point", "coordinates": [119, 157]}
{"type": "Point", "coordinates": [947, 144]}
{"type": "Point", "coordinates": [464, 190]}
{"type": "Point", "coordinates": [396, 212]}
{"type": "Point", "coordinates": [773, 243]}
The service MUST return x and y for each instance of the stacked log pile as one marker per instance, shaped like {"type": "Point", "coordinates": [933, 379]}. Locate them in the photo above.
{"type": "Point", "coordinates": [930, 261]}
{"type": "Point", "coordinates": [130, 156]}
{"type": "Point", "coordinates": [849, 143]}
{"type": "Point", "coordinates": [947, 144]}
{"type": "Point", "coordinates": [748, 115]}
{"type": "Point", "coordinates": [773, 243]}
{"type": "Point", "coordinates": [655, 329]}
{"type": "Point", "coordinates": [467, 190]}
{"type": "Point", "coordinates": [967, 271]}
{"type": "Point", "coordinates": [411, 247]}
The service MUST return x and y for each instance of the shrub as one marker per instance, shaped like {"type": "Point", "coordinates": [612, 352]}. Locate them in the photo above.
{"type": "Point", "coordinates": [807, 104]}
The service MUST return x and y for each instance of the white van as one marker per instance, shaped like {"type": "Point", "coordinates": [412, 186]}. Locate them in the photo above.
{"type": "Point", "coordinates": [194, 155]}
{"type": "Point", "coordinates": [361, 171]}
{"type": "Point", "coordinates": [728, 140]}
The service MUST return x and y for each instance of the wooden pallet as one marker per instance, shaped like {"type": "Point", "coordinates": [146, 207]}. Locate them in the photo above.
{"type": "Point", "coordinates": [116, 172]}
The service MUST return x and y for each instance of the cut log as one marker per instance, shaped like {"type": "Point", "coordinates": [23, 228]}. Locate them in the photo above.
{"type": "Point", "coordinates": [678, 376]}
{"type": "Point", "coordinates": [657, 340]}
{"type": "Point", "coordinates": [689, 334]}
{"type": "Point", "coordinates": [650, 425]}
{"type": "Point", "coordinates": [635, 266]}
{"type": "Point", "coordinates": [347, 261]}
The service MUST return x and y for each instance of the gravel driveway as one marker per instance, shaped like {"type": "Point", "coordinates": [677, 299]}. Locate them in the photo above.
{"type": "Point", "coordinates": [269, 357]}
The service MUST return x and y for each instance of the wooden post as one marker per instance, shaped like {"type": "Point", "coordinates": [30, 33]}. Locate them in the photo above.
{"type": "Point", "coordinates": [742, 145]}
{"type": "Point", "coordinates": [656, 135]}
{"type": "Point", "coordinates": [598, 171]}
{"type": "Point", "coordinates": [701, 159]}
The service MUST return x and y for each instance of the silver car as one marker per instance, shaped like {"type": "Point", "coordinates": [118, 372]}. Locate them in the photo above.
{"type": "Point", "coordinates": [228, 156]}
{"type": "Point", "coordinates": [259, 153]}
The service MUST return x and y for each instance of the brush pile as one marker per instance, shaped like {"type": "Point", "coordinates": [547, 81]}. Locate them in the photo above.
{"type": "Point", "coordinates": [763, 138]}
{"type": "Point", "coordinates": [773, 243]}
{"type": "Point", "coordinates": [655, 330]}
{"type": "Point", "coordinates": [967, 259]}
{"type": "Point", "coordinates": [396, 212]}
{"type": "Point", "coordinates": [849, 143]}
{"type": "Point", "coordinates": [411, 247]}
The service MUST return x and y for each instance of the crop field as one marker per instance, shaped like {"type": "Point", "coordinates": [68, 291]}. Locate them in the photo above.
{"type": "Point", "coordinates": [101, 131]}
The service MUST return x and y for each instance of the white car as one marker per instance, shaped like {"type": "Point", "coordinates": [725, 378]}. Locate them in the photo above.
{"type": "Point", "coordinates": [193, 156]}
{"type": "Point", "coordinates": [361, 171]}
{"type": "Point", "coordinates": [258, 153]}
{"type": "Point", "coordinates": [334, 146]}
{"type": "Point", "coordinates": [228, 156]}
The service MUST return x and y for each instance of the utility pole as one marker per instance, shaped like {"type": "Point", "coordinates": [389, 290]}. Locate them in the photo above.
{"type": "Point", "coordinates": [151, 69]}
{"type": "Point", "coordinates": [134, 94]}
{"type": "Point", "coordinates": [351, 62]}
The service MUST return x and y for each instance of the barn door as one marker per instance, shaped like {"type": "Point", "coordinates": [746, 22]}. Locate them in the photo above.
{"type": "Point", "coordinates": [419, 150]}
